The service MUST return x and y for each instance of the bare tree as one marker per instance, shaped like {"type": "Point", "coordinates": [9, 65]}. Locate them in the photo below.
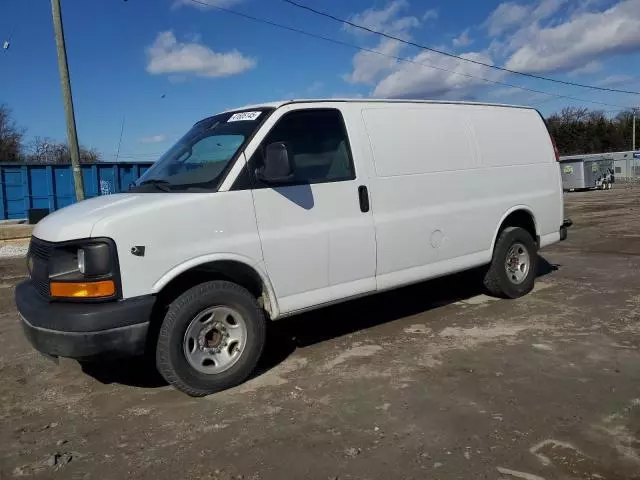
{"type": "Point", "coordinates": [574, 114]}
{"type": "Point", "coordinates": [10, 136]}
{"type": "Point", "coordinates": [45, 150]}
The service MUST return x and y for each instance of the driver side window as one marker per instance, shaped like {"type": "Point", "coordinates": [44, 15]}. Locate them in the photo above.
{"type": "Point", "coordinates": [319, 144]}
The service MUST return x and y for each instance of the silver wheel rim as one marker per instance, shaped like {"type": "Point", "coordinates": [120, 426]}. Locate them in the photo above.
{"type": "Point", "coordinates": [215, 339]}
{"type": "Point", "coordinates": [518, 263]}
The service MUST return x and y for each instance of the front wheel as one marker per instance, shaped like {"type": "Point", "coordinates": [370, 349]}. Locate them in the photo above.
{"type": "Point", "coordinates": [211, 338]}
{"type": "Point", "coordinates": [514, 264]}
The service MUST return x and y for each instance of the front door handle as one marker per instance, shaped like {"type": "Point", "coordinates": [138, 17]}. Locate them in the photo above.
{"type": "Point", "coordinates": [363, 196]}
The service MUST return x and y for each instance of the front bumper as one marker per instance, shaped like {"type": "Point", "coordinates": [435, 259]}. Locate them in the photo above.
{"type": "Point", "coordinates": [84, 330]}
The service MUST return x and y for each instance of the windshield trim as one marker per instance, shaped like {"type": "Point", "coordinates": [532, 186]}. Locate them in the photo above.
{"type": "Point", "coordinates": [215, 184]}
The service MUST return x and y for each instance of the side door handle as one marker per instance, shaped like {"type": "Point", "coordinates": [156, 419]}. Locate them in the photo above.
{"type": "Point", "coordinates": [363, 196]}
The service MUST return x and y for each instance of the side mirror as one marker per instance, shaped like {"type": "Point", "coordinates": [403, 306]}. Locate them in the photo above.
{"type": "Point", "coordinates": [278, 164]}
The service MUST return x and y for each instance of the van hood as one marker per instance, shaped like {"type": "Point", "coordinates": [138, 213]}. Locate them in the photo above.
{"type": "Point", "coordinates": [78, 220]}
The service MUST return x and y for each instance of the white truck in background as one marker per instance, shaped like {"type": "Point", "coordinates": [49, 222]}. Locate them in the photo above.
{"type": "Point", "coordinates": [266, 211]}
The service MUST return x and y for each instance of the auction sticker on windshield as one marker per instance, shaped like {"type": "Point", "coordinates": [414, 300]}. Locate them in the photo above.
{"type": "Point", "coordinates": [244, 116]}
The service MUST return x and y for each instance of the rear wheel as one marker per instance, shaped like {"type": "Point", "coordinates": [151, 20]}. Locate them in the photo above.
{"type": "Point", "coordinates": [211, 338]}
{"type": "Point", "coordinates": [514, 264]}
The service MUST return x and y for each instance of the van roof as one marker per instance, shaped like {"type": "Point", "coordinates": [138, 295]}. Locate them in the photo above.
{"type": "Point", "coordinates": [368, 100]}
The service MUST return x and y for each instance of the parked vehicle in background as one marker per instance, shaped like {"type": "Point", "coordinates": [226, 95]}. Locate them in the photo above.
{"type": "Point", "coordinates": [264, 212]}
{"type": "Point", "coordinates": [587, 172]}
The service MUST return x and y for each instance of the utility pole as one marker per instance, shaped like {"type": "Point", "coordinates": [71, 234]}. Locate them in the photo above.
{"type": "Point", "coordinates": [634, 132]}
{"type": "Point", "coordinates": [65, 83]}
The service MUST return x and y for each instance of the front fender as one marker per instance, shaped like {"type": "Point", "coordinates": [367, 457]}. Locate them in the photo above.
{"type": "Point", "coordinates": [273, 309]}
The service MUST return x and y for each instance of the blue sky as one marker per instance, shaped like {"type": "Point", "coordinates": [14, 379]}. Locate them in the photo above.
{"type": "Point", "coordinates": [164, 64]}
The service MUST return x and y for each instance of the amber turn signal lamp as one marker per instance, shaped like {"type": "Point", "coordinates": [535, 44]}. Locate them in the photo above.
{"type": "Point", "coordinates": [106, 288]}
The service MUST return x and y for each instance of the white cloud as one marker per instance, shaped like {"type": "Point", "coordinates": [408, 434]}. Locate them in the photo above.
{"type": "Point", "coordinates": [168, 56]}
{"type": "Point", "coordinates": [463, 40]}
{"type": "Point", "coordinates": [504, 92]}
{"type": "Point", "coordinates": [580, 40]}
{"type": "Point", "coordinates": [507, 94]}
{"type": "Point", "coordinates": [153, 139]}
{"type": "Point", "coordinates": [585, 6]}
{"type": "Point", "coordinates": [391, 77]}
{"type": "Point", "coordinates": [431, 14]}
{"type": "Point", "coordinates": [506, 16]}
{"type": "Point", "coordinates": [510, 15]}
{"type": "Point", "coordinates": [539, 36]}
{"type": "Point", "coordinates": [200, 4]}
{"type": "Point", "coordinates": [612, 80]}
{"type": "Point", "coordinates": [368, 66]}
{"type": "Point", "coordinates": [411, 80]}
{"type": "Point", "coordinates": [385, 20]}
{"type": "Point", "coordinates": [591, 67]}
{"type": "Point", "coordinates": [547, 8]}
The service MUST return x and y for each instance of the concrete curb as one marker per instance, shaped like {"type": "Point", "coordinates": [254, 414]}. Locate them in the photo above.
{"type": "Point", "coordinates": [15, 231]}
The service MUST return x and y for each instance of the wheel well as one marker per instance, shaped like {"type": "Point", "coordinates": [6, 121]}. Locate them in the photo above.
{"type": "Point", "coordinates": [232, 271]}
{"type": "Point", "coordinates": [229, 270]}
{"type": "Point", "coordinates": [522, 219]}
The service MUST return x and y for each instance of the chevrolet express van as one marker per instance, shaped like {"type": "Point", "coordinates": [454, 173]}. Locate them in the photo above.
{"type": "Point", "coordinates": [264, 212]}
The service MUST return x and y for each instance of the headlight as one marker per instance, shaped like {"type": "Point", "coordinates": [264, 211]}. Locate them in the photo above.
{"type": "Point", "coordinates": [81, 261]}
{"type": "Point", "coordinates": [86, 269]}
{"type": "Point", "coordinates": [96, 259]}
{"type": "Point", "coordinates": [81, 264]}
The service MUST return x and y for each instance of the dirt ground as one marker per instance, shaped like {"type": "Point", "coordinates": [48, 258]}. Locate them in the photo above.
{"type": "Point", "coordinates": [435, 381]}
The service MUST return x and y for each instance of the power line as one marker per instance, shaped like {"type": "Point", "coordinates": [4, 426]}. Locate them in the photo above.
{"type": "Point", "coordinates": [441, 52]}
{"type": "Point", "coordinates": [401, 59]}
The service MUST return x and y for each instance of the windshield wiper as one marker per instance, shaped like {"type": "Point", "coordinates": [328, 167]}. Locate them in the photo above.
{"type": "Point", "coordinates": [160, 184]}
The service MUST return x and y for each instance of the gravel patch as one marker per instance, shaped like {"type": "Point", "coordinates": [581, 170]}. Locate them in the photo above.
{"type": "Point", "coordinates": [12, 251]}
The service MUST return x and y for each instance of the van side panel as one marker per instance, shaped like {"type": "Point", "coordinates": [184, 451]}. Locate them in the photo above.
{"type": "Point", "coordinates": [412, 148]}
{"type": "Point", "coordinates": [416, 140]}
{"type": "Point", "coordinates": [515, 146]}
{"type": "Point", "coordinates": [443, 184]}
{"type": "Point", "coordinates": [509, 136]}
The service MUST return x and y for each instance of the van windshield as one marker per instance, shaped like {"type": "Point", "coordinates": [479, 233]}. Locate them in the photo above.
{"type": "Point", "coordinates": [200, 158]}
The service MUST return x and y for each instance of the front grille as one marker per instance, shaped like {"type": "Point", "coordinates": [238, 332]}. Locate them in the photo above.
{"type": "Point", "coordinates": [40, 253]}
{"type": "Point", "coordinates": [42, 286]}
{"type": "Point", "coordinates": [40, 249]}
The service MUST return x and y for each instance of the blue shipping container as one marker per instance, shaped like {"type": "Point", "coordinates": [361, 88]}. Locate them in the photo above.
{"type": "Point", "coordinates": [25, 186]}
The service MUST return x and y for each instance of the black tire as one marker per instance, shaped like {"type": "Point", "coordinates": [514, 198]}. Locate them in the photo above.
{"type": "Point", "coordinates": [497, 282]}
{"type": "Point", "coordinates": [170, 357]}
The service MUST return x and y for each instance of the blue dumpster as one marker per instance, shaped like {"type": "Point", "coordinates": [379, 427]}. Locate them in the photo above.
{"type": "Point", "coordinates": [27, 186]}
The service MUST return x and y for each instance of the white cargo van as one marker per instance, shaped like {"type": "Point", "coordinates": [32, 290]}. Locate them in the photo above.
{"type": "Point", "coordinates": [264, 212]}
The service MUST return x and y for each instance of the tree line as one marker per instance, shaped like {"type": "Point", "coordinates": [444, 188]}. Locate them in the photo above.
{"type": "Point", "coordinates": [575, 130]}
{"type": "Point", "coordinates": [39, 150]}
{"type": "Point", "coordinates": [580, 130]}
